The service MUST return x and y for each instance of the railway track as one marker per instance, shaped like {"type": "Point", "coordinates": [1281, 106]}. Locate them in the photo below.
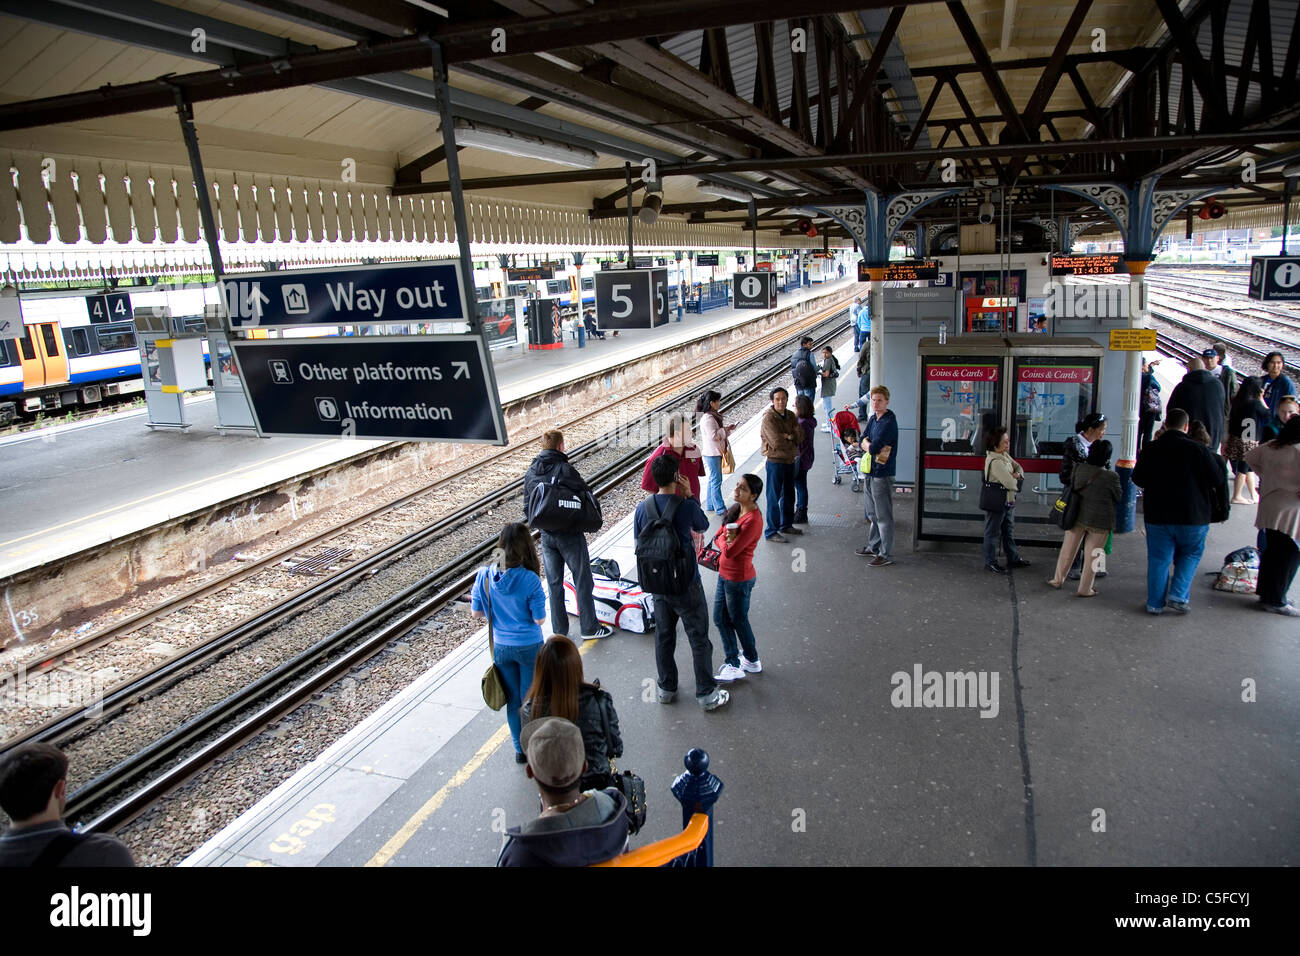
{"type": "Point", "coordinates": [309, 547]}
{"type": "Point", "coordinates": [236, 717]}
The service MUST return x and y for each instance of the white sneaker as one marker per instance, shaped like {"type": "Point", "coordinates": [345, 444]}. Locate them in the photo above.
{"type": "Point", "coordinates": [750, 667]}
{"type": "Point", "coordinates": [726, 674]}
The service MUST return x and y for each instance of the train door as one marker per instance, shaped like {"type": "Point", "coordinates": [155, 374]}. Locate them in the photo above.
{"type": "Point", "coordinates": [43, 356]}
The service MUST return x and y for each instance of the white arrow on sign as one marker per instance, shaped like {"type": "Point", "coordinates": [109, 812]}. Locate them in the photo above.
{"type": "Point", "coordinates": [462, 370]}
{"type": "Point", "coordinates": [254, 299]}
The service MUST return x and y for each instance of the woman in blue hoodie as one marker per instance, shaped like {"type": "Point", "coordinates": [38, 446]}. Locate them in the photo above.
{"type": "Point", "coordinates": [518, 605]}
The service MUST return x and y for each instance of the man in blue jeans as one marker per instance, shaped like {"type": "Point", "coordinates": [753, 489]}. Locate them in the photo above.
{"type": "Point", "coordinates": [781, 436]}
{"type": "Point", "coordinates": [879, 445]}
{"type": "Point", "coordinates": [861, 324]}
{"type": "Point", "coordinates": [1180, 478]}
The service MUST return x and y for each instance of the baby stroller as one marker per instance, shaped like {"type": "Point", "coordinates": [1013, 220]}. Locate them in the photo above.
{"type": "Point", "coordinates": [844, 435]}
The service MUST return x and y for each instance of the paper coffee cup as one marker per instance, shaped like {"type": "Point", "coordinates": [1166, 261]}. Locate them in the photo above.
{"type": "Point", "coordinates": [733, 526]}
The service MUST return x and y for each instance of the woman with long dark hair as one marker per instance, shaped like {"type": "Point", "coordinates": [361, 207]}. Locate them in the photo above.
{"type": "Point", "coordinates": [1247, 417]}
{"type": "Point", "coordinates": [510, 589]}
{"type": "Point", "coordinates": [803, 409]}
{"type": "Point", "coordinates": [713, 444]}
{"type": "Point", "coordinates": [558, 690]}
{"type": "Point", "coordinates": [1276, 383]}
{"type": "Point", "coordinates": [1278, 516]}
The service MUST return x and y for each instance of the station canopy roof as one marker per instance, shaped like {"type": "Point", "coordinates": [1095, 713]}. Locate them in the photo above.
{"type": "Point", "coordinates": [837, 98]}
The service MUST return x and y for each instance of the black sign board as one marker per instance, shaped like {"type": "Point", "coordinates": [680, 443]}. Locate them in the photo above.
{"type": "Point", "coordinates": [530, 274]}
{"type": "Point", "coordinates": [706, 259]}
{"type": "Point", "coordinates": [500, 321]}
{"type": "Point", "coordinates": [753, 290]}
{"type": "Point", "coordinates": [740, 260]}
{"type": "Point", "coordinates": [400, 388]}
{"type": "Point", "coordinates": [1275, 278]}
{"type": "Point", "coordinates": [1098, 264]}
{"type": "Point", "coordinates": [113, 307]}
{"type": "Point", "coordinates": [642, 262]}
{"type": "Point", "coordinates": [545, 328]}
{"type": "Point", "coordinates": [863, 275]}
{"type": "Point", "coordinates": [915, 270]}
{"type": "Point", "coordinates": [632, 299]}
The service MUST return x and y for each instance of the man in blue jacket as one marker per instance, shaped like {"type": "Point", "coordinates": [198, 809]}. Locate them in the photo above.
{"type": "Point", "coordinates": [861, 324]}
{"type": "Point", "coordinates": [879, 448]}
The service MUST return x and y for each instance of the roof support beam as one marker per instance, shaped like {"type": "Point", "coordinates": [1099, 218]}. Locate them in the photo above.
{"type": "Point", "coordinates": [925, 112]}
{"type": "Point", "coordinates": [1213, 95]}
{"type": "Point", "coordinates": [976, 47]}
{"type": "Point", "coordinates": [866, 78]}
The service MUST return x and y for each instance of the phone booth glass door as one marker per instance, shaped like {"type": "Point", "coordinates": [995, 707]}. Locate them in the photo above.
{"type": "Point", "coordinates": [1052, 395]}
{"type": "Point", "coordinates": [961, 400]}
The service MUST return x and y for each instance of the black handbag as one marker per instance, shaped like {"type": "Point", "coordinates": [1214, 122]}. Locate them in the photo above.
{"type": "Point", "coordinates": [1065, 513]}
{"type": "Point", "coordinates": [633, 789]}
{"type": "Point", "coordinates": [993, 496]}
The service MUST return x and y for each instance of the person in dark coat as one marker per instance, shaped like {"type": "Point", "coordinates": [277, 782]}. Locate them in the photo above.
{"type": "Point", "coordinates": [1182, 479]}
{"type": "Point", "coordinates": [1200, 394]}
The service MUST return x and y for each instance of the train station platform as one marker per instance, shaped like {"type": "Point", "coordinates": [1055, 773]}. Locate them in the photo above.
{"type": "Point", "coordinates": [1104, 736]}
{"type": "Point", "coordinates": [69, 488]}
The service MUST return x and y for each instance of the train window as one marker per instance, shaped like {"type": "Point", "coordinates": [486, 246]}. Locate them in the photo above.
{"type": "Point", "coordinates": [114, 338]}
{"type": "Point", "coordinates": [8, 354]}
{"type": "Point", "coordinates": [552, 287]}
{"type": "Point", "coordinates": [80, 342]}
{"type": "Point", "coordinates": [47, 336]}
{"type": "Point", "coordinates": [29, 350]}
{"type": "Point", "coordinates": [588, 283]}
{"type": "Point", "coordinates": [483, 292]}
{"type": "Point", "coordinates": [517, 288]}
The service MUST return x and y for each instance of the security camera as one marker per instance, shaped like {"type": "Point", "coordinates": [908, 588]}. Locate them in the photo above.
{"type": "Point", "coordinates": [986, 212]}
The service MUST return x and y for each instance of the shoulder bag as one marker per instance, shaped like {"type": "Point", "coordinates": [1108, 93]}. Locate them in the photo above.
{"type": "Point", "coordinates": [627, 783]}
{"type": "Point", "coordinates": [494, 687]}
{"type": "Point", "coordinates": [728, 464]}
{"type": "Point", "coordinates": [993, 496]}
{"type": "Point", "coordinates": [709, 555]}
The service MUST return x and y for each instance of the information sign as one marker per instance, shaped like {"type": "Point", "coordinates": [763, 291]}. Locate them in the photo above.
{"type": "Point", "coordinates": [1097, 264]}
{"type": "Point", "coordinates": [1275, 278]}
{"type": "Point", "coordinates": [400, 388]}
{"type": "Point", "coordinates": [706, 259]}
{"type": "Point", "coordinates": [753, 290]}
{"type": "Point", "coordinates": [917, 270]}
{"type": "Point", "coordinates": [530, 274]}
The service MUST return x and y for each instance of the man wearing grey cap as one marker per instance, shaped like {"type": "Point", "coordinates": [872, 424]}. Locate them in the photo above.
{"type": "Point", "coordinates": [1216, 363]}
{"type": "Point", "coordinates": [576, 828]}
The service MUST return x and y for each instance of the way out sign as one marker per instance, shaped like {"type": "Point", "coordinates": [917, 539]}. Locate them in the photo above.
{"type": "Point", "coordinates": [397, 388]}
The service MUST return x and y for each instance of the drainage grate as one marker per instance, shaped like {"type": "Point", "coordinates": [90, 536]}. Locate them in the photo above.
{"type": "Point", "coordinates": [319, 563]}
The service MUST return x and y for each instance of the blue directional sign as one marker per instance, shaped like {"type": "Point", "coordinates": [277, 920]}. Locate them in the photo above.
{"type": "Point", "coordinates": [348, 295]}
{"type": "Point", "coordinates": [398, 388]}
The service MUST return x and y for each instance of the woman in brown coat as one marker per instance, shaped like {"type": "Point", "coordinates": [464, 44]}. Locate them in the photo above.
{"type": "Point", "coordinates": [1098, 491]}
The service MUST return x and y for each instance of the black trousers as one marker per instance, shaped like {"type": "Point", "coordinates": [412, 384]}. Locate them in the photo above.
{"type": "Point", "coordinates": [1277, 568]}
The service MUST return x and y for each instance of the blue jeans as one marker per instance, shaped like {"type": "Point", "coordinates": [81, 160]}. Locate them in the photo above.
{"type": "Point", "coordinates": [828, 403]}
{"type": "Point", "coordinates": [880, 512]}
{"type": "Point", "coordinates": [780, 497]}
{"type": "Point", "coordinates": [1181, 545]}
{"type": "Point", "coordinates": [731, 615]}
{"type": "Point", "coordinates": [810, 392]}
{"type": "Point", "coordinates": [516, 663]}
{"type": "Point", "coordinates": [800, 487]}
{"type": "Point", "coordinates": [713, 493]}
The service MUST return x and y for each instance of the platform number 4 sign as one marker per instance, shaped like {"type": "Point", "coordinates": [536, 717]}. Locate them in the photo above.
{"type": "Point", "coordinates": [115, 307]}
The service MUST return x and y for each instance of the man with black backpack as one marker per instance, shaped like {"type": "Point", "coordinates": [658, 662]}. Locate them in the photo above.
{"type": "Point", "coordinates": [666, 568]}
{"type": "Point", "coordinates": [803, 370]}
{"type": "Point", "coordinates": [558, 503]}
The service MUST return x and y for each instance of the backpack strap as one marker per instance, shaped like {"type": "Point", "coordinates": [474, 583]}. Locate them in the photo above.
{"type": "Point", "coordinates": [671, 510]}
{"type": "Point", "coordinates": [57, 850]}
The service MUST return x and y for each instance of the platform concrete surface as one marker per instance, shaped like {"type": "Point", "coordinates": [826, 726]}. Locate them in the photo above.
{"type": "Point", "coordinates": [1113, 738]}
{"type": "Point", "coordinates": [75, 487]}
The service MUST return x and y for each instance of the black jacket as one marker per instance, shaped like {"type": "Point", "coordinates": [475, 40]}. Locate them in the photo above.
{"type": "Point", "coordinates": [1200, 395]}
{"type": "Point", "coordinates": [601, 737]}
{"type": "Point", "coordinates": [1072, 454]}
{"type": "Point", "coordinates": [1180, 477]}
{"type": "Point", "coordinates": [550, 464]}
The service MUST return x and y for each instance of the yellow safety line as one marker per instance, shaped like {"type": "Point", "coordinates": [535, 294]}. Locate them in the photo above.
{"type": "Point", "coordinates": [169, 491]}
{"type": "Point", "coordinates": [459, 779]}
{"type": "Point", "coordinates": [171, 389]}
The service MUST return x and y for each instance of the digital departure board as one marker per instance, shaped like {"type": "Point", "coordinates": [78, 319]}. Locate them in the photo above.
{"type": "Point", "coordinates": [1098, 264]}
{"type": "Point", "coordinates": [912, 270]}
{"type": "Point", "coordinates": [530, 274]}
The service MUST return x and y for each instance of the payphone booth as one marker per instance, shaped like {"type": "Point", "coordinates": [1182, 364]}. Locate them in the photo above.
{"type": "Point", "coordinates": [1037, 387]}
{"type": "Point", "coordinates": [991, 314]}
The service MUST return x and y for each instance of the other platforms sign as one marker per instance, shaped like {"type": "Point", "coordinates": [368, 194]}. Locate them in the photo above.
{"type": "Point", "coordinates": [351, 295]}
{"type": "Point", "coordinates": [400, 388]}
{"type": "Point", "coordinates": [1275, 278]}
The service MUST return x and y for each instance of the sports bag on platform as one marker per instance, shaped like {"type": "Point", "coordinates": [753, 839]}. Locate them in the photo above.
{"type": "Point", "coordinates": [1240, 572]}
{"type": "Point", "coordinates": [559, 505]}
{"type": "Point", "coordinates": [619, 603]}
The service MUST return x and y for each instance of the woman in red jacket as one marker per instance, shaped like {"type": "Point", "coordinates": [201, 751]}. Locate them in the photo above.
{"type": "Point", "coordinates": [677, 443]}
{"type": "Point", "coordinates": [742, 526]}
